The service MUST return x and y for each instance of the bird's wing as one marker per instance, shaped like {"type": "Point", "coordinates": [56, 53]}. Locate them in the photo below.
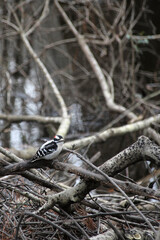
{"type": "Point", "coordinates": [49, 146]}
{"type": "Point", "coordinates": [45, 149]}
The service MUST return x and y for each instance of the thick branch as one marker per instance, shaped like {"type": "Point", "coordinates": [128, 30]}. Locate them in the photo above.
{"type": "Point", "coordinates": [140, 150]}
{"type": "Point", "coordinates": [85, 174]}
{"type": "Point", "coordinates": [136, 152]}
{"type": "Point", "coordinates": [128, 187]}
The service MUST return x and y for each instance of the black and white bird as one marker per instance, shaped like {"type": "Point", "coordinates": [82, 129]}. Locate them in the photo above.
{"type": "Point", "coordinates": [50, 149]}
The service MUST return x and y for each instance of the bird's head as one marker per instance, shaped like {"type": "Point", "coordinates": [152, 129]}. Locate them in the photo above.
{"type": "Point", "coordinates": [58, 139]}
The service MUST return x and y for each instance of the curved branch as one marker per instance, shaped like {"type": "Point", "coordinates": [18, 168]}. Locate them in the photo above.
{"type": "Point", "coordinates": [95, 66]}
{"type": "Point", "coordinates": [64, 126]}
{"type": "Point", "coordinates": [65, 123]}
{"type": "Point", "coordinates": [133, 127]}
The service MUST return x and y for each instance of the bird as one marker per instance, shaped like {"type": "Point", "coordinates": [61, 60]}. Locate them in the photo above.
{"type": "Point", "coordinates": [50, 149]}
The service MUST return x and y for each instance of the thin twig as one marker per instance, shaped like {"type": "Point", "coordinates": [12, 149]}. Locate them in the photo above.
{"type": "Point", "coordinates": [51, 223]}
{"type": "Point", "coordinates": [38, 22]}
{"type": "Point", "coordinates": [76, 223]}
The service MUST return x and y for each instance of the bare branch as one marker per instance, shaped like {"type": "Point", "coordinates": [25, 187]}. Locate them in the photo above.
{"type": "Point", "coordinates": [46, 221]}
{"type": "Point", "coordinates": [38, 22]}
{"type": "Point", "coordinates": [140, 150]}
{"type": "Point", "coordinates": [85, 174]}
{"type": "Point", "coordinates": [145, 39]}
{"type": "Point", "coordinates": [95, 66]}
{"type": "Point", "coordinates": [64, 126]}
{"type": "Point", "coordinates": [130, 155]}
{"type": "Point", "coordinates": [31, 118]}
{"type": "Point", "coordinates": [133, 127]}
{"type": "Point", "coordinates": [115, 184]}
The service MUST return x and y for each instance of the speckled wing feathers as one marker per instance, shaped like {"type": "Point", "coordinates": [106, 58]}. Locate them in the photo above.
{"type": "Point", "coordinates": [49, 147]}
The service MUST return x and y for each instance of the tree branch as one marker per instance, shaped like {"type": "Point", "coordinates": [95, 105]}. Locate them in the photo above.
{"type": "Point", "coordinates": [65, 123]}
{"type": "Point", "coordinates": [87, 175]}
{"type": "Point", "coordinates": [95, 66]}
{"type": "Point", "coordinates": [143, 147]}
{"type": "Point", "coordinates": [38, 22]}
{"type": "Point", "coordinates": [133, 127]}
{"type": "Point", "coordinates": [31, 118]}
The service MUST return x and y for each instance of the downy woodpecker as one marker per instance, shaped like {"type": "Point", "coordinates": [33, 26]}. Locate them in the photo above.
{"type": "Point", "coordinates": [50, 149]}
